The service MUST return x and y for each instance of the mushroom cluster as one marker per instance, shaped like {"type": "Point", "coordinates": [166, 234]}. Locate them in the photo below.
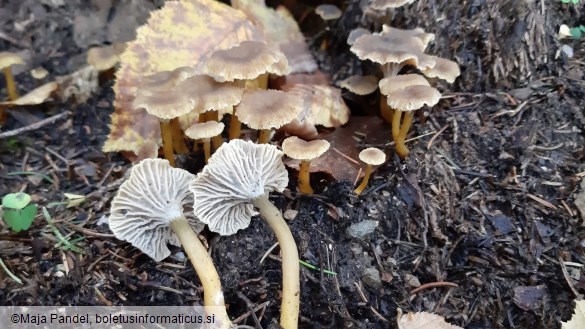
{"type": "Point", "coordinates": [394, 49]}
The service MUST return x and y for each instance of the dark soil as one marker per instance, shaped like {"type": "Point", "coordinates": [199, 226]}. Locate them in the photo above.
{"type": "Point", "coordinates": [483, 206]}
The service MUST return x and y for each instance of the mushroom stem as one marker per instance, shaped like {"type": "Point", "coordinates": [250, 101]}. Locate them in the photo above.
{"type": "Point", "coordinates": [10, 85]}
{"type": "Point", "coordinates": [264, 136]}
{"type": "Point", "coordinates": [203, 264]}
{"type": "Point", "coordinates": [400, 147]}
{"type": "Point", "coordinates": [217, 141]}
{"type": "Point", "coordinates": [385, 110]}
{"type": "Point", "coordinates": [235, 127]}
{"type": "Point", "coordinates": [406, 123]}
{"type": "Point", "coordinates": [305, 178]}
{"type": "Point", "coordinates": [291, 288]}
{"type": "Point", "coordinates": [167, 139]}
{"type": "Point", "coordinates": [364, 183]}
{"type": "Point", "coordinates": [207, 149]}
{"type": "Point", "coordinates": [179, 144]}
{"type": "Point", "coordinates": [212, 116]}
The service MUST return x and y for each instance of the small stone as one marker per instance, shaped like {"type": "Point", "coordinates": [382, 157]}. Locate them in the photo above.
{"type": "Point", "coordinates": [411, 280]}
{"type": "Point", "coordinates": [290, 214]}
{"type": "Point", "coordinates": [371, 277]}
{"type": "Point", "coordinates": [362, 229]}
{"type": "Point", "coordinates": [179, 257]}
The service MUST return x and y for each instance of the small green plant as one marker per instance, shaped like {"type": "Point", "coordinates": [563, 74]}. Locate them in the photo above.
{"type": "Point", "coordinates": [18, 212]}
{"type": "Point", "coordinates": [577, 32]}
{"type": "Point", "coordinates": [575, 2]}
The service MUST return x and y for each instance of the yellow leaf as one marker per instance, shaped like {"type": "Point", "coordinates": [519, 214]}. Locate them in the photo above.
{"type": "Point", "coordinates": [74, 199]}
{"type": "Point", "coordinates": [578, 319]}
{"type": "Point", "coordinates": [182, 33]}
{"type": "Point", "coordinates": [424, 320]}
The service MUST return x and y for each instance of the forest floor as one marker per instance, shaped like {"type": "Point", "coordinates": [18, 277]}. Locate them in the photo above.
{"type": "Point", "coordinates": [478, 225]}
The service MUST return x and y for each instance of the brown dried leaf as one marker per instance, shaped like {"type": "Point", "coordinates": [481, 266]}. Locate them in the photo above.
{"type": "Point", "coordinates": [424, 320]}
{"type": "Point", "coordinates": [182, 33]}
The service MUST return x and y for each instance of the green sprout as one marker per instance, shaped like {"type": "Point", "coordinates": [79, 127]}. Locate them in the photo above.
{"type": "Point", "coordinates": [18, 212]}
{"type": "Point", "coordinates": [575, 2]}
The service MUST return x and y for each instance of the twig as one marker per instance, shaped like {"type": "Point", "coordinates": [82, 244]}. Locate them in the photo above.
{"type": "Point", "coordinates": [247, 314]}
{"type": "Point", "coordinates": [268, 252]}
{"type": "Point", "coordinates": [10, 274]}
{"type": "Point", "coordinates": [568, 278]}
{"type": "Point", "coordinates": [432, 140]}
{"type": "Point", "coordinates": [34, 126]}
{"type": "Point", "coordinates": [541, 201]}
{"type": "Point", "coordinates": [365, 300]}
{"type": "Point", "coordinates": [434, 285]}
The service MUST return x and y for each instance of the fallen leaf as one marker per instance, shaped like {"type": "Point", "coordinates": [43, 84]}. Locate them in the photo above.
{"type": "Point", "coordinates": [424, 320]}
{"type": "Point", "coordinates": [182, 33]}
{"type": "Point", "coordinates": [578, 319]}
{"type": "Point", "coordinates": [36, 96]}
{"type": "Point", "coordinates": [529, 298]}
{"type": "Point", "coordinates": [74, 199]}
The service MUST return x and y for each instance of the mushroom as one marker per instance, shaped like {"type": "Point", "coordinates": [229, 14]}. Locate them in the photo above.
{"type": "Point", "coordinates": [238, 178]}
{"type": "Point", "coordinates": [393, 83]}
{"type": "Point", "coordinates": [159, 96]}
{"type": "Point", "coordinates": [8, 59]}
{"type": "Point", "coordinates": [205, 131]}
{"type": "Point", "coordinates": [360, 84]}
{"type": "Point", "coordinates": [304, 151]}
{"type": "Point", "coordinates": [266, 109]}
{"type": "Point", "coordinates": [153, 208]}
{"type": "Point", "coordinates": [407, 100]}
{"type": "Point", "coordinates": [250, 62]}
{"type": "Point", "coordinates": [328, 12]}
{"type": "Point", "coordinates": [443, 69]}
{"type": "Point", "coordinates": [372, 157]}
{"type": "Point", "coordinates": [355, 34]}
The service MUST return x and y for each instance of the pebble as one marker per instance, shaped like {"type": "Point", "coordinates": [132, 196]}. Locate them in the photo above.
{"type": "Point", "coordinates": [371, 277]}
{"type": "Point", "coordinates": [362, 229]}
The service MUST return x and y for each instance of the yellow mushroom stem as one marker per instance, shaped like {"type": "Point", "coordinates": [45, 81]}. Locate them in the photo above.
{"type": "Point", "coordinates": [167, 139]}
{"type": "Point", "coordinates": [398, 132]}
{"type": "Point", "coordinates": [364, 183]}
{"type": "Point", "coordinates": [385, 110]}
{"type": "Point", "coordinates": [291, 288]}
{"type": "Point", "coordinates": [202, 117]}
{"type": "Point", "coordinates": [264, 136]}
{"type": "Point", "coordinates": [212, 116]}
{"type": "Point", "coordinates": [212, 294]}
{"type": "Point", "coordinates": [235, 126]}
{"type": "Point", "coordinates": [179, 144]}
{"type": "Point", "coordinates": [10, 85]}
{"type": "Point", "coordinates": [305, 177]}
{"type": "Point", "coordinates": [206, 149]}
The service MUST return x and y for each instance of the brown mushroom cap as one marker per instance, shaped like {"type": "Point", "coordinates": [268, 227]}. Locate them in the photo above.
{"type": "Point", "coordinates": [443, 69]}
{"type": "Point", "coordinates": [8, 59]}
{"type": "Point", "coordinates": [387, 4]}
{"type": "Point", "coordinates": [158, 94]}
{"type": "Point", "coordinates": [360, 84]}
{"type": "Point", "coordinates": [328, 12]}
{"type": "Point", "coordinates": [103, 58]}
{"type": "Point", "coordinates": [385, 49]}
{"type": "Point", "coordinates": [393, 83]}
{"type": "Point", "coordinates": [424, 37]}
{"type": "Point", "coordinates": [266, 109]}
{"type": "Point", "coordinates": [39, 73]}
{"type": "Point", "coordinates": [355, 34]}
{"type": "Point", "coordinates": [204, 130]}
{"type": "Point", "coordinates": [246, 61]}
{"type": "Point", "coordinates": [299, 149]}
{"type": "Point", "coordinates": [208, 94]}
{"type": "Point", "coordinates": [413, 98]}
{"type": "Point", "coordinates": [372, 156]}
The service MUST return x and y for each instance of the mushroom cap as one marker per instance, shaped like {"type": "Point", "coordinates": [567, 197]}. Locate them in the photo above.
{"type": "Point", "coordinates": [204, 130]}
{"type": "Point", "coordinates": [444, 69]}
{"type": "Point", "coordinates": [360, 84]}
{"type": "Point", "coordinates": [8, 59]}
{"type": "Point", "coordinates": [153, 195]}
{"type": "Point", "coordinates": [299, 149]}
{"type": "Point", "coordinates": [355, 34]}
{"type": "Point", "coordinates": [413, 98]}
{"type": "Point", "coordinates": [372, 156]}
{"type": "Point", "coordinates": [418, 32]}
{"type": "Point", "coordinates": [160, 95]}
{"type": "Point", "coordinates": [328, 12]}
{"type": "Point", "coordinates": [237, 173]}
{"type": "Point", "coordinates": [387, 4]}
{"type": "Point", "coordinates": [266, 109]}
{"type": "Point", "coordinates": [103, 58]}
{"type": "Point", "coordinates": [39, 73]}
{"type": "Point", "coordinates": [246, 61]}
{"type": "Point", "coordinates": [397, 82]}
{"type": "Point", "coordinates": [208, 94]}
{"type": "Point", "coordinates": [388, 49]}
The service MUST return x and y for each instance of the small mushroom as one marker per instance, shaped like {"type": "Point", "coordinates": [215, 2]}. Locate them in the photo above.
{"type": "Point", "coordinates": [328, 12]}
{"type": "Point", "coordinates": [8, 59]}
{"type": "Point", "coordinates": [372, 157]}
{"type": "Point", "coordinates": [153, 208]}
{"type": "Point", "coordinates": [304, 151]}
{"type": "Point", "coordinates": [355, 34]}
{"type": "Point", "coordinates": [205, 131]}
{"type": "Point", "coordinates": [238, 178]}
{"type": "Point", "coordinates": [393, 83]}
{"type": "Point", "coordinates": [360, 84]}
{"type": "Point", "coordinates": [267, 109]}
{"type": "Point", "coordinates": [444, 69]}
